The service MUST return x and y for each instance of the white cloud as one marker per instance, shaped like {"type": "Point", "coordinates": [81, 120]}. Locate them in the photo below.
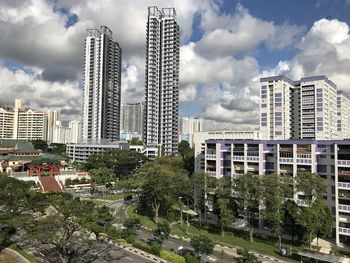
{"type": "Point", "coordinates": [40, 94]}
{"type": "Point", "coordinates": [324, 50]}
{"type": "Point", "coordinates": [187, 93]}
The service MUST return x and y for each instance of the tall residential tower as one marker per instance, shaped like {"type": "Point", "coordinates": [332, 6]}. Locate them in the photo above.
{"type": "Point", "coordinates": [101, 104]}
{"type": "Point", "coordinates": [162, 79]}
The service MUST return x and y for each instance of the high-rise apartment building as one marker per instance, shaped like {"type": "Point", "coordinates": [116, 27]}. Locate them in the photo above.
{"type": "Point", "coordinates": [304, 109]}
{"type": "Point", "coordinates": [75, 127]}
{"type": "Point", "coordinates": [162, 79]}
{"type": "Point", "coordinates": [132, 118]}
{"type": "Point", "coordinates": [53, 116]}
{"type": "Point", "coordinates": [343, 115]}
{"type": "Point", "coordinates": [22, 124]}
{"type": "Point", "coordinates": [101, 103]}
{"type": "Point", "coordinates": [187, 127]}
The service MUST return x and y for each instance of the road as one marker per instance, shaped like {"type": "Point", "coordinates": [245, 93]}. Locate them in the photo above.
{"type": "Point", "coordinates": [173, 244]}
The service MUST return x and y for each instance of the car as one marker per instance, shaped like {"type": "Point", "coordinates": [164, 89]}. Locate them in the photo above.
{"type": "Point", "coordinates": [128, 198]}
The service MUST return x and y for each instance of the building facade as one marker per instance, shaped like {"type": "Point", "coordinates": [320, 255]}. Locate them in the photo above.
{"type": "Point", "coordinates": [328, 158]}
{"type": "Point", "coordinates": [132, 118]}
{"type": "Point", "coordinates": [162, 79]}
{"type": "Point", "coordinates": [187, 127]}
{"type": "Point", "coordinates": [22, 124]}
{"type": "Point", "coordinates": [53, 116]}
{"type": "Point", "coordinates": [80, 152]}
{"type": "Point", "coordinates": [199, 139]}
{"type": "Point", "coordinates": [302, 109]}
{"type": "Point", "coordinates": [343, 115]}
{"type": "Point", "coordinates": [102, 81]}
{"type": "Point", "coordinates": [75, 129]}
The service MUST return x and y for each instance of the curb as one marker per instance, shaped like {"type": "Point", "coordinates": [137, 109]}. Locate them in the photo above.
{"type": "Point", "coordinates": [18, 257]}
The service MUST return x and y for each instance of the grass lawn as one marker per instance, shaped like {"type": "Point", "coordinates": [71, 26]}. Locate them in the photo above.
{"type": "Point", "coordinates": [230, 240]}
{"type": "Point", "coordinates": [115, 196]}
{"type": "Point", "coordinates": [145, 220]}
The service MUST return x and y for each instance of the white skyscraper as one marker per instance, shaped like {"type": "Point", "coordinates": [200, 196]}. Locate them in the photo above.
{"type": "Point", "coordinates": [75, 127]}
{"type": "Point", "coordinates": [101, 104]}
{"type": "Point", "coordinates": [162, 79]}
{"type": "Point", "coordinates": [53, 116]}
{"type": "Point", "coordinates": [305, 109]}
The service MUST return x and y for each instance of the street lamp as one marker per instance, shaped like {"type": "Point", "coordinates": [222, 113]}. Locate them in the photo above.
{"type": "Point", "coordinates": [180, 204]}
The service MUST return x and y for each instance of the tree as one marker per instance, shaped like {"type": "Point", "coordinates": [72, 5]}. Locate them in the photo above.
{"type": "Point", "coordinates": [316, 220]}
{"type": "Point", "coordinates": [135, 141]}
{"type": "Point", "coordinates": [274, 197]}
{"type": "Point", "coordinates": [57, 148]}
{"type": "Point", "coordinates": [130, 226]}
{"type": "Point", "coordinates": [184, 148]}
{"type": "Point", "coordinates": [163, 182]}
{"type": "Point", "coordinates": [190, 259]}
{"type": "Point", "coordinates": [187, 155]}
{"type": "Point", "coordinates": [163, 231]}
{"type": "Point", "coordinates": [102, 175]}
{"type": "Point", "coordinates": [226, 216]}
{"type": "Point", "coordinates": [121, 162]}
{"type": "Point", "coordinates": [290, 225]}
{"type": "Point", "coordinates": [40, 145]}
{"type": "Point", "coordinates": [202, 245]}
{"type": "Point", "coordinates": [311, 185]}
{"type": "Point", "coordinates": [65, 227]}
{"type": "Point", "coordinates": [244, 256]}
{"type": "Point", "coordinates": [248, 191]}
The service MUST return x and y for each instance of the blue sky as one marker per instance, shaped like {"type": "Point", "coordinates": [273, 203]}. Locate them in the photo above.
{"type": "Point", "coordinates": [226, 46]}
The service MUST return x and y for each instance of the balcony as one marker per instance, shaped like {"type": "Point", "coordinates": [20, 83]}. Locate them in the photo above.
{"type": "Point", "coordinates": [344, 231]}
{"type": "Point", "coordinates": [286, 160]}
{"type": "Point", "coordinates": [211, 156]}
{"type": "Point", "coordinates": [211, 173]}
{"type": "Point", "coordinates": [345, 186]}
{"type": "Point", "coordinates": [253, 158]}
{"type": "Point", "coordinates": [344, 208]}
{"type": "Point", "coordinates": [238, 158]}
{"type": "Point", "coordinates": [344, 162]}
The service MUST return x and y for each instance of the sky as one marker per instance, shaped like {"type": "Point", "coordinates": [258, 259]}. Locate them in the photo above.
{"type": "Point", "coordinates": [226, 47]}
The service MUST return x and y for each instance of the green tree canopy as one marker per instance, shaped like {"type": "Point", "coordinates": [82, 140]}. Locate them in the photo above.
{"type": "Point", "coordinates": [312, 185]}
{"type": "Point", "coordinates": [244, 256]}
{"type": "Point", "coordinates": [40, 145]}
{"type": "Point", "coordinates": [121, 162]}
{"type": "Point", "coordinates": [162, 231]}
{"type": "Point", "coordinates": [202, 245]}
{"type": "Point", "coordinates": [316, 220]}
{"type": "Point", "coordinates": [135, 141]}
{"type": "Point", "coordinates": [102, 175]}
{"type": "Point", "coordinates": [163, 182]}
{"type": "Point", "coordinates": [274, 191]}
{"type": "Point", "coordinates": [249, 193]}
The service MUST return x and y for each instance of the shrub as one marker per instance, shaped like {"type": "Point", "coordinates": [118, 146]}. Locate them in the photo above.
{"type": "Point", "coordinates": [190, 259]}
{"type": "Point", "coordinates": [156, 248]}
{"type": "Point", "coordinates": [172, 257]}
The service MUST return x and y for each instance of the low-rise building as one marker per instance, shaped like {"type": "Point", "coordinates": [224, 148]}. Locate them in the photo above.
{"type": "Point", "coordinates": [80, 152]}
{"type": "Point", "coordinates": [329, 159]}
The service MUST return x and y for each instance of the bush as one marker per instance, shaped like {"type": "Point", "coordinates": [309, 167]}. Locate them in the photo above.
{"type": "Point", "coordinates": [143, 247]}
{"type": "Point", "coordinates": [172, 257]}
{"type": "Point", "coordinates": [156, 248]}
{"type": "Point", "coordinates": [190, 259]}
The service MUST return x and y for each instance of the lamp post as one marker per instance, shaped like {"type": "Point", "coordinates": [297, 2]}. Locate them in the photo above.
{"type": "Point", "coordinates": [180, 203]}
{"type": "Point", "coordinates": [188, 223]}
